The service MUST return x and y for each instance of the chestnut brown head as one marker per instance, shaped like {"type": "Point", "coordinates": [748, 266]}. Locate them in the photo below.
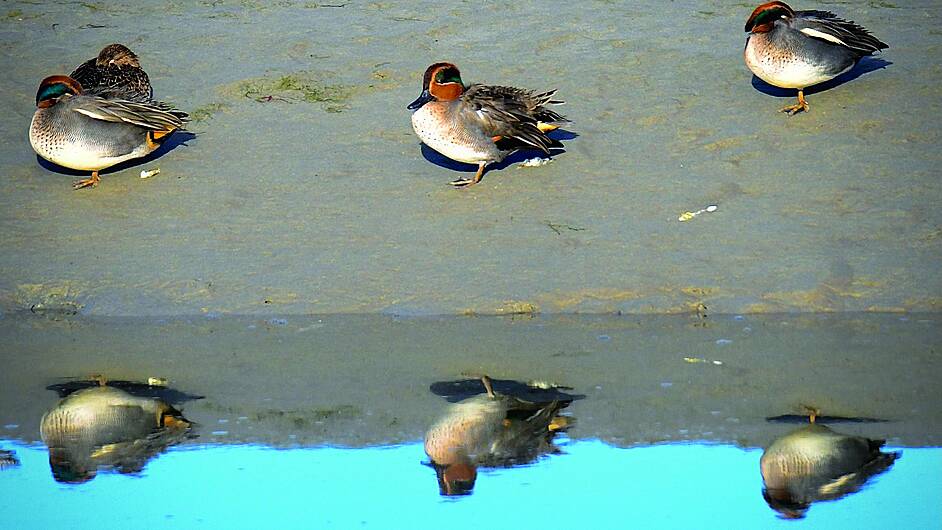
{"type": "Point", "coordinates": [442, 82]}
{"type": "Point", "coordinates": [117, 55]}
{"type": "Point", "coordinates": [763, 17]}
{"type": "Point", "coordinates": [54, 88]}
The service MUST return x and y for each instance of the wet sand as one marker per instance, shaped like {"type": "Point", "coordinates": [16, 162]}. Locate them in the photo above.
{"type": "Point", "coordinates": [318, 200]}
{"type": "Point", "coordinates": [364, 380]}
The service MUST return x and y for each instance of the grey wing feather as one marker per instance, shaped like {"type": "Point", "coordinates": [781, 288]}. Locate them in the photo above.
{"type": "Point", "coordinates": [514, 113]}
{"type": "Point", "coordinates": [153, 115]}
{"type": "Point", "coordinates": [854, 36]}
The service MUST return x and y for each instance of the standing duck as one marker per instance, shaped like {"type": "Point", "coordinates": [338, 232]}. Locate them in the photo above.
{"type": "Point", "coordinates": [115, 68]}
{"type": "Point", "coordinates": [490, 430]}
{"type": "Point", "coordinates": [481, 124]}
{"type": "Point", "coordinates": [815, 463]}
{"type": "Point", "coordinates": [798, 49]}
{"type": "Point", "coordinates": [95, 130]}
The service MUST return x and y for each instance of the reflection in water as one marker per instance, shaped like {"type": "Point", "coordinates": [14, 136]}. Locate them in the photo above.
{"type": "Point", "coordinates": [98, 425]}
{"type": "Point", "coordinates": [815, 463]}
{"type": "Point", "coordinates": [8, 459]}
{"type": "Point", "coordinates": [492, 430]}
{"type": "Point", "coordinates": [595, 485]}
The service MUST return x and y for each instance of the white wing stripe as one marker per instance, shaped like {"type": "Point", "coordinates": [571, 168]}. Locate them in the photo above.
{"type": "Point", "coordinates": [92, 114]}
{"type": "Point", "coordinates": [822, 35]}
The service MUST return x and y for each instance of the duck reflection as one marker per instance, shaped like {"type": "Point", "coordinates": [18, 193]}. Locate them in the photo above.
{"type": "Point", "coordinates": [814, 463]}
{"type": "Point", "coordinates": [8, 459]}
{"type": "Point", "coordinates": [511, 426]}
{"type": "Point", "coordinates": [116, 425]}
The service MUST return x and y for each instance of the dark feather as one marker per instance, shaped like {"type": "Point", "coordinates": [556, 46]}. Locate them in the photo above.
{"type": "Point", "coordinates": [854, 36]}
{"type": "Point", "coordinates": [132, 83]}
{"type": "Point", "coordinates": [513, 114]}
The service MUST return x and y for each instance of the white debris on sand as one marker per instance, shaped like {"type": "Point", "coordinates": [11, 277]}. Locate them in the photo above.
{"type": "Point", "coordinates": [535, 162]}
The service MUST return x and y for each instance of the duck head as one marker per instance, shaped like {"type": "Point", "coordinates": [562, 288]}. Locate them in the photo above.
{"type": "Point", "coordinates": [456, 479]}
{"type": "Point", "coordinates": [117, 55]}
{"type": "Point", "coordinates": [763, 18]}
{"type": "Point", "coordinates": [54, 88]}
{"type": "Point", "coordinates": [442, 82]}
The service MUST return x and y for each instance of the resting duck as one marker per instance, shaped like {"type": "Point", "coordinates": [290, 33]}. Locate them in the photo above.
{"type": "Point", "coordinates": [94, 130]}
{"type": "Point", "coordinates": [117, 68]}
{"type": "Point", "coordinates": [491, 430]}
{"type": "Point", "coordinates": [814, 463]}
{"type": "Point", "coordinates": [798, 49]}
{"type": "Point", "coordinates": [481, 124]}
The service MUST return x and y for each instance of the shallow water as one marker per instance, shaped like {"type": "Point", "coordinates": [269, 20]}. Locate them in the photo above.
{"type": "Point", "coordinates": [317, 420]}
{"type": "Point", "coordinates": [592, 485]}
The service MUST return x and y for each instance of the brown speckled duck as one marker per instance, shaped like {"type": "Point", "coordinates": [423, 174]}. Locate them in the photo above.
{"type": "Point", "coordinates": [115, 68]}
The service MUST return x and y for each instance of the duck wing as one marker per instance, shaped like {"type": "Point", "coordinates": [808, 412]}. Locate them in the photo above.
{"type": "Point", "coordinates": [150, 115]}
{"type": "Point", "coordinates": [828, 27]}
{"type": "Point", "coordinates": [513, 114]}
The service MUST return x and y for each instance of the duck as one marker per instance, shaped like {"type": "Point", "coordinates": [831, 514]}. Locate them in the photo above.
{"type": "Point", "coordinates": [96, 129]}
{"type": "Point", "coordinates": [799, 49]}
{"type": "Point", "coordinates": [815, 463]}
{"type": "Point", "coordinates": [116, 68]}
{"type": "Point", "coordinates": [481, 124]}
{"type": "Point", "coordinates": [104, 426]}
{"type": "Point", "coordinates": [490, 430]}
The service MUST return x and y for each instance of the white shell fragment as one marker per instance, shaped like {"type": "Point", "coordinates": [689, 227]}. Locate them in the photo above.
{"type": "Point", "coordinates": [535, 162]}
{"type": "Point", "coordinates": [146, 174]}
{"type": "Point", "coordinates": [686, 216]}
{"type": "Point", "coordinates": [695, 360]}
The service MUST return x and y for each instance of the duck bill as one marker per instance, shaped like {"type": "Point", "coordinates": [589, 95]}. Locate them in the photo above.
{"type": "Point", "coordinates": [423, 98]}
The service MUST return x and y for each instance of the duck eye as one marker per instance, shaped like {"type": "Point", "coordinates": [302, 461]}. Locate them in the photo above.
{"type": "Point", "coordinates": [448, 75]}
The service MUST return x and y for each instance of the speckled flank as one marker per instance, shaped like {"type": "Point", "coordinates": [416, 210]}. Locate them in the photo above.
{"type": "Point", "coordinates": [437, 126]}
{"type": "Point", "coordinates": [464, 428]}
{"type": "Point", "coordinates": [60, 139]}
{"type": "Point", "coordinates": [781, 67]}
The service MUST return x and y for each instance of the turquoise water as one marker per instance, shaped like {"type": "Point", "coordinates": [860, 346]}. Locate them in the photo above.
{"type": "Point", "coordinates": [591, 485]}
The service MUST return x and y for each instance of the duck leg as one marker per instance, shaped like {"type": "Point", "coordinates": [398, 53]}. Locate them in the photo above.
{"type": "Point", "coordinates": [463, 183]}
{"type": "Point", "coordinates": [487, 386]}
{"type": "Point", "coordinates": [813, 413]}
{"type": "Point", "coordinates": [90, 182]}
{"type": "Point", "coordinates": [801, 106]}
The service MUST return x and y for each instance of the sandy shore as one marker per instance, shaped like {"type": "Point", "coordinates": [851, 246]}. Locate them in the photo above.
{"type": "Point", "coordinates": [304, 190]}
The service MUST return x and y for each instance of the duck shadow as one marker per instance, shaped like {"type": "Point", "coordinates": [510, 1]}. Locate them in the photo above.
{"type": "Point", "coordinates": [441, 160]}
{"type": "Point", "coordinates": [143, 390]}
{"type": "Point", "coordinates": [175, 140]}
{"type": "Point", "coordinates": [802, 419]}
{"type": "Point", "coordinates": [461, 389]}
{"type": "Point", "coordinates": [865, 66]}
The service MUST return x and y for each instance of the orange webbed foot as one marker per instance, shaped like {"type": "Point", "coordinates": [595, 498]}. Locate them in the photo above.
{"type": "Point", "coordinates": [90, 182]}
